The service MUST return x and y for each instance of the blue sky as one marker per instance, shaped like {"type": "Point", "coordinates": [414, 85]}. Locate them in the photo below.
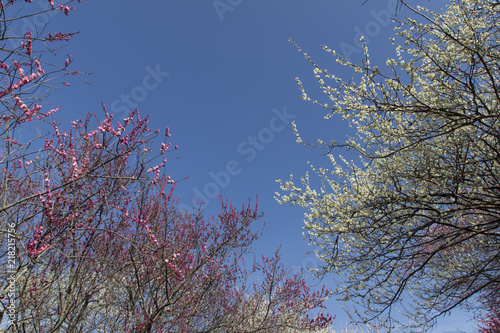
{"type": "Point", "coordinates": [221, 74]}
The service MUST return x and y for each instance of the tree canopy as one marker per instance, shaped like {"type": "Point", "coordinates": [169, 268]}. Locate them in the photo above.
{"type": "Point", "coordinates": [92, 238]}
{"type": "Point", "coordinates": [414, 224]}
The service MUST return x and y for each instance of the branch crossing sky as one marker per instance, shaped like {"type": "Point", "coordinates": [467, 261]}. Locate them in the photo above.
{"type": "Point", "coordinates": [221, 74]}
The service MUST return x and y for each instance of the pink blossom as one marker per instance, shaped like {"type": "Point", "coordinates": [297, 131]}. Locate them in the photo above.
{"type": "Point", "coordinates": [60, 36]}
{"type": "Point", "coordinates": [28, 44]}
{"type": "Point", "coordinates": [64, 9]}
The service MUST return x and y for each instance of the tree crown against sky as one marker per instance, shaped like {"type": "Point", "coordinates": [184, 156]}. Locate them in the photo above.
{"type": "Point", "coordinates": [413, 224]}
{"type": "Point", "coordinates": [92, 239]}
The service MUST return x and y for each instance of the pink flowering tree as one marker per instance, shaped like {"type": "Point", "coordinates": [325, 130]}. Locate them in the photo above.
{"type": "Point", "coordinates": [464, 247]}
{"type": "Point", "coordinates": [26, 80]}
{"type": "Point", "coordinates": [91, 237]}
{"type": "Point", "coordinates": [490, 318]}
{"type": "Point", "coordinates": [103, 247]}
{"type": "Point", "coordinates": [25, 77]}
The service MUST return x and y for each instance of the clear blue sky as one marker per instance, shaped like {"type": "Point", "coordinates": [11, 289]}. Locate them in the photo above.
{"type": "Point", "coordinates": [223, 81]}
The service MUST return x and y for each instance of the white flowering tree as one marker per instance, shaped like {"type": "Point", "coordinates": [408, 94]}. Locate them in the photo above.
{"type": "Point", "coordinates": [417, 217]}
